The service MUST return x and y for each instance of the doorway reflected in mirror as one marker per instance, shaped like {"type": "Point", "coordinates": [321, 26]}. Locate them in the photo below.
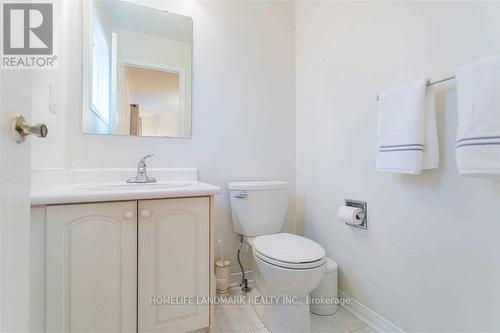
{"type": "Point", "coordinates": [137, 71]}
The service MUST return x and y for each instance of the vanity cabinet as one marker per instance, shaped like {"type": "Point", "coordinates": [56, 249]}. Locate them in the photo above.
{"type": "Point", "coordinates": [107, 265]}
{"type": "Point", "coordinates": [173, 262]}
{"type": "Point", "coordinates": [91, 267]}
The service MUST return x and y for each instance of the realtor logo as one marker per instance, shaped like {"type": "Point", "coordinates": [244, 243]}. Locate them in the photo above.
{"type": "Point", "coordinates": [28, 35]}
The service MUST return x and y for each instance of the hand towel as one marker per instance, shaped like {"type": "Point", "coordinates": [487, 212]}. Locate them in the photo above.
{"type": "Point", "coordinates": [407, 134]}
{"type": "Point", "coordinates": [478, 132]}
{"type": "Point", "coordinates": [431, 143]}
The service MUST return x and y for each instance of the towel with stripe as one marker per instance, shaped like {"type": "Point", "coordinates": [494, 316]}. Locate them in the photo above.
{"type": "Point", "coordinates": [407, 139]}
{"type": "Point", "coordinates": [478, 132]}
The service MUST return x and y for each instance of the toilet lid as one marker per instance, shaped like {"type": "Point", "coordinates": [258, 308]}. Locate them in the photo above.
{"type": "Point", "coordinates": [288, 248]}
{"type": "Point", "coordinates": [282, 264]}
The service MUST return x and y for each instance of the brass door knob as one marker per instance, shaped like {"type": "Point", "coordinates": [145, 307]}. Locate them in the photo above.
{"type": "Point", "coordinates": [20, 129]}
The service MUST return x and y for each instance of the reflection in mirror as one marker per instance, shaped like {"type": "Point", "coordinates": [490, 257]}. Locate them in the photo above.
{"type": "Point", "coordinates": [137, 71]}
{"type": "Point", "coordinates": [153, 98]}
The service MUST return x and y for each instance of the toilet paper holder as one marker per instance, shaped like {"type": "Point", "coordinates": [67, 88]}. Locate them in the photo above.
{"type": "Point", "coordinates": [362, 215]}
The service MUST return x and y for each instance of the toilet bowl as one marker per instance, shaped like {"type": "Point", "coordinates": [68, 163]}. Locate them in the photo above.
{"type": "Point", "coordinates": [287, 267]}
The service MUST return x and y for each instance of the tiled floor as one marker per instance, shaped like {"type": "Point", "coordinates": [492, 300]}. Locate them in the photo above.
{"type": "Point", "coordinates": [242, 318]}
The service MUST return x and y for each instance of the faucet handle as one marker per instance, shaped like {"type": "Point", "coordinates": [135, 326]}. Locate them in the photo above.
{"type": "Point", "coordinates": [142, 162]}
{"type": "Point", "coordinates": [145, 157]}
{"type": "Point", "coordinates": [142, 176]}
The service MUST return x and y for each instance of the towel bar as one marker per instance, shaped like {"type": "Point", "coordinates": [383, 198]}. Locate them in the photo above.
{"type": "Point", "coordinates": [433, 83]}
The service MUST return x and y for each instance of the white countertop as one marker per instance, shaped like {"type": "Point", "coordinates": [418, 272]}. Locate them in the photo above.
{"type": "Point", "coordinates": [63, 186]}
{"type": "Point", "coordinates": [75, 193]}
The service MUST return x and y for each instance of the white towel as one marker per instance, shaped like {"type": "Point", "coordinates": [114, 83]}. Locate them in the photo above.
{"type": "Point", "coordinates": [478, 132]}
{"type": "Point", "coordinates": [407, 134]}
{"type": "Point", "coordinates": [431, 142]}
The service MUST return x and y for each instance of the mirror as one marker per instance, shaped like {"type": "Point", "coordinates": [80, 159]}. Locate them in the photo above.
{"type": "Point", "coordinates": [136, 70]}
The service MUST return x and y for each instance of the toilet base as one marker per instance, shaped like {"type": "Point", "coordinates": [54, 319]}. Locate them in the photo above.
{"type": "Point", "coordinates": [282, 317]}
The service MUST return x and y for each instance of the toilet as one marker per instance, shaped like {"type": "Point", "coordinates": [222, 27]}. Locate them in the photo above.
{"type": "Point", "coordinates": [286, 265]}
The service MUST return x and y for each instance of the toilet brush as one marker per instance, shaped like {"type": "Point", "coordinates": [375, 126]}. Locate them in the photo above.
{"type": "Point", "coordinates": [221, 254]}
{"type": "Point", "coordinates": [222, 272]}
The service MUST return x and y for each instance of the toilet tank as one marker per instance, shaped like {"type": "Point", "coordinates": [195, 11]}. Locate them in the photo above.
{"type": "Point", "coordinates": [258, 207]}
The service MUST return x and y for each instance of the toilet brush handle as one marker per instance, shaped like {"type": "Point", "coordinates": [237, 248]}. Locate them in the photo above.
{"type": "Point", "coordinates": [220, 250]}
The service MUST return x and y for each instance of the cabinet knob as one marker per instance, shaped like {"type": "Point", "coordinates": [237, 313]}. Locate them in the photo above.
{"type": "Point", "coordinates": [145, 213]}
{"type": "Point", "coordinates": [128, 215]}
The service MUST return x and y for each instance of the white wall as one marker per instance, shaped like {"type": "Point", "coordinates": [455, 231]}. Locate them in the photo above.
{"type": "Point", "coordinates": [243, 104]}
{"type": "Point", "coordinates": [429, 260]}
{"type": "Point", "coordinates": [50, 152]}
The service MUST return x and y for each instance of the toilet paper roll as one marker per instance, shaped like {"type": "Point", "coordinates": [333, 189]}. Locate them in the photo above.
{"type": "Point", "coordinates": [349, 215]}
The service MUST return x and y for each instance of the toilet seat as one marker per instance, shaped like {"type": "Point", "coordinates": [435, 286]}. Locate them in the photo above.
{"type": "Point", "coordinates": [289, 251]}
{"type": "Point", "coordinates": [283, 264]}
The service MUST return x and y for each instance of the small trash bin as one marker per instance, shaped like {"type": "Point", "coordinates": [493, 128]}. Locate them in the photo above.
{"type": "Point", "coordinates": [323, 298]}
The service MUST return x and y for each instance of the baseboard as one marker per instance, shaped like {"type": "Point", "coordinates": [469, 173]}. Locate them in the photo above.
{"type": "Point", "coordinates": [368, 316]}
{"type": "Point", "coordinates": [235, 278]}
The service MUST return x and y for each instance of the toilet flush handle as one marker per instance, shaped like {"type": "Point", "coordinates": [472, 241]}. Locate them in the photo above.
{"type": "Point", "coordinates": [241, 195]}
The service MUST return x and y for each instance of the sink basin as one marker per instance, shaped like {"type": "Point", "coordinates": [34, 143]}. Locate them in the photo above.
{"type": "Point", "coordinates": [132, 186]}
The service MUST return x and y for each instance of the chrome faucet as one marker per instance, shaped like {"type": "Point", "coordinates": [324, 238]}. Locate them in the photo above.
{"type": "Point", "coordinates": [142, 176]}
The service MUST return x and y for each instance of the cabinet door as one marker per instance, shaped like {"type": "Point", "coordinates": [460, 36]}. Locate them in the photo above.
{"type": "Point", "coordinates": [91, 267]}
{"type": "Point", "coordinates": [173, 261]}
